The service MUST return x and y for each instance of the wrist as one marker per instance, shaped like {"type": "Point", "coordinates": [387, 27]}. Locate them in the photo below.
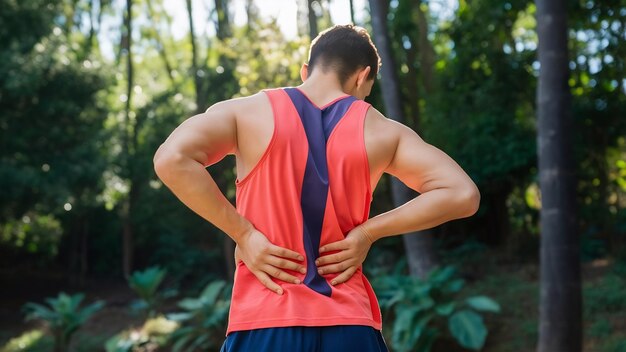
{"type": "Point", "coordinates": [244, 230]}
{"type": "Point", "coordinates": [366, 231]}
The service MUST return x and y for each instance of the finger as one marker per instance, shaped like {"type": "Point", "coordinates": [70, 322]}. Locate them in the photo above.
{"type": "Point", "coordinates": [333, 268]}
{"type": "Point", "coordinates": [286, 264]}
{"type": "Point", "coordinates": [267, 282]}
{"type": "Point", "coordinates": [339, 245]}
{"type": "Point", "coordinates": [279, 274]}
{"type": "Point", "coordinates": [343, 277]}
{"type": "Point", "coordinates": [284, 252]}
{"type": "Point", "coordinates": [331, 258]}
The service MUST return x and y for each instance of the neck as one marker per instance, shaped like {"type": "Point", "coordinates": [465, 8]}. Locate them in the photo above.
{"type": "Point", "coordinates": [322, 88]}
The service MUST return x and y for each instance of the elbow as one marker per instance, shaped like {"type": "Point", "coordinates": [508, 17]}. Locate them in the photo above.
{"type": "Point", "coordinates": [164, 162]}
{"type": "Point", "coordinates": [470, 200]}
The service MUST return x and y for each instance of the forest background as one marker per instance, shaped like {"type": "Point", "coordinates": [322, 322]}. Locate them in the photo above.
{"type": "Point", "coordinates": [90, 88]}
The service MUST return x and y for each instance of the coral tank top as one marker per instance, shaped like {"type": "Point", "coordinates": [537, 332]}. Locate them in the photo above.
{"type": "Point", "coordinates": [310, 188]}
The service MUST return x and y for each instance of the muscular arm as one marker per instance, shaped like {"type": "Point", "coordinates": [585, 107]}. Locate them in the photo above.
{"type": "Point", "coordinates": [180, 161]}
{"type": "Point", "coordinates": [446, 191]}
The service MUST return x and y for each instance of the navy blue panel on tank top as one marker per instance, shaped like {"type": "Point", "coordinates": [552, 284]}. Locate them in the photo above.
{"type": "Point", "coordinates": [318, 125]}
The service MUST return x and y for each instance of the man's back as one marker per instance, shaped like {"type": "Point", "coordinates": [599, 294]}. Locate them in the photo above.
{"type": "Point", "coordinates": [255, 126]}
{"type": "Point", "coordinates": [309, 187]}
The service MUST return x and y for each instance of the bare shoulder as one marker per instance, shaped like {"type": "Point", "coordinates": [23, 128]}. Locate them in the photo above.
{"type": "Point", "coordinates": [382, 137]}
{"type": "Point", "coordinates": [392, 129]}
{"type": "Point", "coordinates": [396, 149]}
{"type": "Point", "coordinates": [241, 105]}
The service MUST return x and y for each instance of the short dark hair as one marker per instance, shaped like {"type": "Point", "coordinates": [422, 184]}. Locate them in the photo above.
{"type": "Point", "coordinates": [344, 49]}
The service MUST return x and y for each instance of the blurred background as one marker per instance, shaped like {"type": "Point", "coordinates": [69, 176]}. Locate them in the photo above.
{"type": "Point", "coordinates": [97, 254]}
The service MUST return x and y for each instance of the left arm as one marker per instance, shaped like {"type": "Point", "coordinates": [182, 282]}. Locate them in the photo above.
{"type": "Point", "coordinates": [446, 193]}
{"type": "Point", "coordinates": [180, 161]}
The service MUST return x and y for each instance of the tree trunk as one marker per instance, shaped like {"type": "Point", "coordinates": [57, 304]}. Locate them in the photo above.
{"type": "Point", "coordinates": [352, 12]}
{"type": "Point", "coordinates": [200, 99]}
{"type": "Point", "coordinates": [560, 321]}
{"type": "Point", "coordinates": [498, 221]}
{"type": "Point", "coordinates": [92, 33]}
{"type": "Point", "coordinates": [84, 252]}
{"type": "Point", "coordinates": [127, 228]}
{"type": "Point", "coordinates": [426, 52]}
{"type": "Point", "coordinates": [160, 44]}
{"type": "Point", "coordinates": [312, 20]}
{"type": "Point", "coordinates": [410, 80]}
{"type": "Point", "coordinates": [418, 245]}
{"type": "Point", "coordinates": [252, 14]}
{"type": "Point", "coordinates": [223, 22]}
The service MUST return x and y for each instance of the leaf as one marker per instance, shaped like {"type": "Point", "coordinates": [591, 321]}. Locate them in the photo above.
{"type": "Point", "coordinates": [483, 303]}
{"type": "Point", "coordinates": [441, 274]}
{"type": "Point", "coordinates": [89, 310]}
{"type": "Point", "coordinates": [200, 343]}
{"type": "Point", "coordinates": [427, 339]}
{"type": "Point", "coordinates": [179, 316]}
{"type": "Point", "coordinates": [145, 283]}
{"type": "Point", "coordinates": [468, 329]}
{"type": "Point", "coordinates": [445, 309]}
{"type": "Point", "coordinates": [190, 304]}
{"type": "Point", "coordinates": [38, 311]}
{"type": "Point", "coordinates": [454, 285]}
{"type": "Point", "coordinates": [180, 343]}
{"type": "Point", "coordinates": [397, 297]}
{"type": "Point", "coordinates": [402, 325]}
{"type": "Point", "coordinates": [212, 291]}
{"type": "Point", "coordinates": [139, 305]}
{"type": "Point", "coordinates": [418, 329]}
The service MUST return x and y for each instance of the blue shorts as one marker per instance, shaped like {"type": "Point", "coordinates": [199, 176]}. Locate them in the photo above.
{"type": "Point", "coordinates": [344, 338]}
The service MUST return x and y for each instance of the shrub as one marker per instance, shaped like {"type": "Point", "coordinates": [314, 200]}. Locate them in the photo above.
{"type": "Point", "coordinates": [423, 307]}
{"type": "Point", "coordinates": [145, 284]}
{"type": "Point", "coordinates": [63, 316]}
{"type": "Point", "coordinates": [204, 318]}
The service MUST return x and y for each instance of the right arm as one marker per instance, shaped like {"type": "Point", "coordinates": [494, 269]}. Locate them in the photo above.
{"type": "Point", "coordinates": [446, 193]}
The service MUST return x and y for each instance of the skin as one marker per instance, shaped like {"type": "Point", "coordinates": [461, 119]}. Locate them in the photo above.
{"type": "Point", "coordinates": [243, 127]}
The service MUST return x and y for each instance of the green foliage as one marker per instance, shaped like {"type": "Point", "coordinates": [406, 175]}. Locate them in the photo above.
{"type": "Point", "coordinates": [152, 335]}
{"type": "Point", "coordinates": [50, 128]}
{"type": "Point", "coordinates": [614, 344]}
{"type": "Point", "coordinates": [266, 59]}
{"type": "Point", "coordinates": [493, 99]}
{"type": "Point", "coordinates": [605, 296]}
{"type": "Point", "coordinates": [145, 284]}
{"type": "Point", "coordinates": [468, 329]}
{"type": "Point", "coordinates": [601, 328]}
{"type": "Point", "coordinates": [421, 308]}
{"type": "Point", "coordinates": [33, 233]}
{"type": "Point", "coordinates": [31, 341]}
{"type": "Point", "coordinates": [203, 319]}
{"type": "Point", "coordinates": [63, 315]}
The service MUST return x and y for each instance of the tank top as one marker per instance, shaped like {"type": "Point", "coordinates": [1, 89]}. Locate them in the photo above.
{"type": "Point", "coordinates": [310, 188]}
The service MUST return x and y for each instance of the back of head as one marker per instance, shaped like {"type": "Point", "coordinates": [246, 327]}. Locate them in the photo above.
{"type": "Point", "coordinates": [344, 49]}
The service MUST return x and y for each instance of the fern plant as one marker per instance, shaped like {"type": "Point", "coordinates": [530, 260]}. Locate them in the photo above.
{"type": "Point", "coordinates": [63, 316]}
{"type": "Point", "coordinates": [202, 320]}
{"type": "Point", "coordinates": [422, 307]}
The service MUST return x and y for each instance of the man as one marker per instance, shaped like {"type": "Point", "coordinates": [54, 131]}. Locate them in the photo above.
{"type": "Point", "coordinates": [308, 159]}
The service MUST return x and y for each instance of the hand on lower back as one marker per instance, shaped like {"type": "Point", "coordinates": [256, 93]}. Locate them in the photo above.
{"type": "Point", "coordinates": [352, 252]}
{"type": "Point", "coordinates": [266, 260]}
